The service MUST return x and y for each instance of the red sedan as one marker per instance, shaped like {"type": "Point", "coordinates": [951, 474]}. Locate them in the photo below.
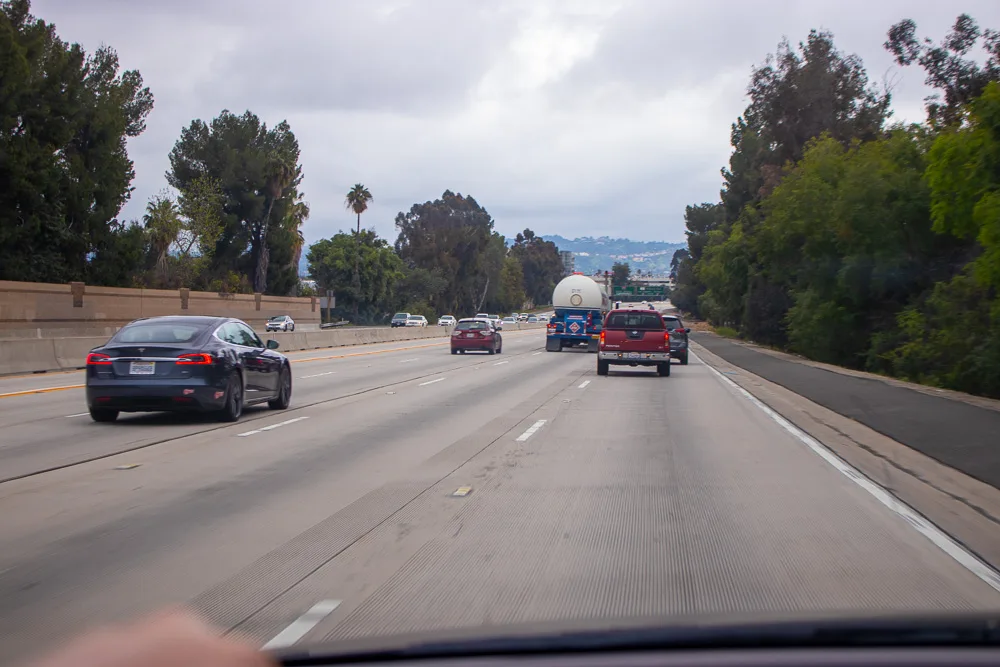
{"type": "Point", "coordinates": [476, 334]}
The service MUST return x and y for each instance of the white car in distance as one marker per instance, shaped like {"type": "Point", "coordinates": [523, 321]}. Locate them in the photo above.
{"type": "Point", "coordinates": [280, 323]}
{"type": "Point", "coordinates": [509, 321]}
{"type": "Point", "coordinates": [447, 321]}
{"type": "Point", "coordinates": [416, 321]}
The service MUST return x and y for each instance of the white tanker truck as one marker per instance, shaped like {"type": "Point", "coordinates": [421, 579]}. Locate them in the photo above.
{"type": "Point", "coordinates": [580, 306]}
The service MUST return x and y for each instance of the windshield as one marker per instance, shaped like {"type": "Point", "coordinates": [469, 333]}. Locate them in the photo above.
{"type": "Point", "coordinates": [472, 326]}
{"type": "Point", "coordinates": [763, 237]}
{"type": "Point", "coordinates": [158, 333]}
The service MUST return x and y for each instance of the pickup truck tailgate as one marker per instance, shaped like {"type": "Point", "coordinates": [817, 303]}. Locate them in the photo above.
{"type": "Point", "coordinates": [635, 340]}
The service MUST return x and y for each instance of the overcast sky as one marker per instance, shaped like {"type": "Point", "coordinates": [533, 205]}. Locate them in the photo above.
{"type": "Point", "coordinates": [576, 117]}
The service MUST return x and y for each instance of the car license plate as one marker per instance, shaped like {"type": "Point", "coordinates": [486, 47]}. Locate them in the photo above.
{"type": "Point", "coordinates": [142, 368]}
{"type": "Point", "coordinates": [634, 355]}
{"type": "Point", "coordinates": [470, 335]}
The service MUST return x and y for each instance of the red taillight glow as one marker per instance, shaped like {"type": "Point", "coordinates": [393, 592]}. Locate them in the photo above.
{"type": "Point", "coordinates": [195, 359]}
{"type": "Point", "coordinates": [602, 338]}
{"type": "Point", "coordinates": [666, 338]}
{"type": "Point", "coordinates": [98, 359]}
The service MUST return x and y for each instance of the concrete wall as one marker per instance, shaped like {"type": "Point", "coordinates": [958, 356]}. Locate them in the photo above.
{"type": "Point", "coordinates": [32, 355]}
{"type": "Point", "coordinates": [48, 310]}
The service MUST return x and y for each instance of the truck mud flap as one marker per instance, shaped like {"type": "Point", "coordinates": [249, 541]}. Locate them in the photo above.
{"type": "Point", "coordinates": [553, 345]}
{"type": "Point", "coordinates": [592, 345]}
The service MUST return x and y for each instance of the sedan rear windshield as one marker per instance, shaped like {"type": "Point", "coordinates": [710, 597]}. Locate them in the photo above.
{"type": "Point", "coordinates": [635, 321]}
{"type": "Point", "coordinates": [277, 318]}
{"type": "Point", "coordinates": [472, 326]}
{"type": "Point", "coordinates": [673, 323]}
{"type": "Point", "coordinates": [400, 316]}
{"type": "Point", "coordinates": [158, 333]}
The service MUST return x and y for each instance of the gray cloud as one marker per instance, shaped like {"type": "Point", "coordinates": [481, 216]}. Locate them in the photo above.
{"type": "Point", "coordinates": [584, 117]}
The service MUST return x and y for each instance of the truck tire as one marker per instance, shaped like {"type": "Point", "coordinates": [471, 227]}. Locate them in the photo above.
{"type": "Point", "coordinates": [553, 345]}
{"type": "Point", "coordinates": [602, 367]}
{"type": "Point", "coordinates": [663, 370]}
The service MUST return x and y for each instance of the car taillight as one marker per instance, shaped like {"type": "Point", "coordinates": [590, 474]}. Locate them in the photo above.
{"type": "Point", "coordinates": [666, 338]}
{"type": "Point", "coordinates": [98, 359]}
{"type": "Point", "coordinates": [195, 359]}
{"type": "Point", "coordinates": [602, 338]}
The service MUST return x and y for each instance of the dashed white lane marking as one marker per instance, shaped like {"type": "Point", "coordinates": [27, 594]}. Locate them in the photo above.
{"type": "Point", "coordinates": [583, 385]}
{"type": "Point", "coordinates": [406, 361]}
{"type": "Point", "coordinates": [531, 430]}
{"type": "Point", "coordinates": [317, 375]}
{"type": "Point", "coordinates": [79, 414]}
{"type": "Point", "coordinates": [910, 515]}
{"type": "Point", "coordinates": [271, 427]}
{"type": "Point", "coordinates": [501, 363]}
{"type": "Point", "coordinates": [424, 384]}
{"type": "Point", "coordinates": [298, 628]}
{"type": "Point", "coordinates": [534, 353]}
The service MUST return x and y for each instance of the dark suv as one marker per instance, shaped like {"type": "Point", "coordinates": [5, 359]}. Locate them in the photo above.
{"type": "Point", "coordinates": [678, 338]}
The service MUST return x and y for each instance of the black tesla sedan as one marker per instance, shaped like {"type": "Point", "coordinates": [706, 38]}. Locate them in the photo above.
{"type": "Point", "coordinates": [180, 363]}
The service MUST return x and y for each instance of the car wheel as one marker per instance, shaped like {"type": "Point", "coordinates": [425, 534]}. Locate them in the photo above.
{"type": "Point", "coordinates": [284, 397]}
{"type": "Point", "coordinates": [602, 367]}
{"type": "Point", "coordinates": [461, 351]}
{"type": "Point", "coordinates": [233, 409]}
{"type": "Point", "coordinates": [663, 370]}
{"type": "Point", "coordinates": [492, 350]}
{"type": "Point", "coordinates": [293, 328]}
{"type": "Point", "coordinates": [103, 414]}
{"type": "Point", "coordinates": [454, 351]}
{"type": "Point", "coordinates": [684, 359]}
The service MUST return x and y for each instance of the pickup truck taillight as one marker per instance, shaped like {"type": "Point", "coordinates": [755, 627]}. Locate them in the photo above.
{"type": "Point", "coordinates": [601, 341]}
{"type": "Point", "coordinates": [666, 338]}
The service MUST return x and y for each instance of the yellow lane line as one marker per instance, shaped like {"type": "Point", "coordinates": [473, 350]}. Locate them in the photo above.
{"type": "Point", "coordinates": [44, 390]}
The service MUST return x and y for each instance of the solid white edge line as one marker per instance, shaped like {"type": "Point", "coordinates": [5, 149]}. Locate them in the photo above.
{"type": "Point", "coordinates": [306, 377]}
{"type": "Point", "coordinates": [583, 385]}
{"type": "Point", "coordinates": [424, 384]}
{"type": "Point", "coordinates": [406, 361]}
{"type": "Point", "coordinates": [534, 353]}
{"type": "Point", "coordinates": [298, 628]}
{"type": "Point", "coordinates": [80, 414]}
{"type": "Point", "coordinates": [531, 430]}
{"type": "Point", "coordinates": [939, 538]}
{"type": "Point", "coordinates": [501, 363]}
{"type": "Point", "coordinates": [272, 426]}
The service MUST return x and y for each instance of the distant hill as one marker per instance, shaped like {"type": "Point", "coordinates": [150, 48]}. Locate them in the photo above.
{"type": "Point", "coordinates": [599, 254]}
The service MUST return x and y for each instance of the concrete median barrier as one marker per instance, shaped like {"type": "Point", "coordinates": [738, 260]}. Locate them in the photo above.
{"type": "Point", "coordinates": [32, 355]}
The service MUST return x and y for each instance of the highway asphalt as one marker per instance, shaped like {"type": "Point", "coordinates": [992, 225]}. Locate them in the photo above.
{"type": "Point", "coordinates": [408, 489]}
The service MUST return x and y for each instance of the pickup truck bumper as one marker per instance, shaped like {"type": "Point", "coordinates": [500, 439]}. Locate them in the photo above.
{"type": "Point", "coordinates": [634, 358]}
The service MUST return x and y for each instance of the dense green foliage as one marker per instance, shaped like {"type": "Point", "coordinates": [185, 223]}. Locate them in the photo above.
{"type": "Point", "coordinates": [854, 243]}
{"type": "Point", "coordinates": [447, 259]}
{"type": "Point", "coordinates": [64, 171]}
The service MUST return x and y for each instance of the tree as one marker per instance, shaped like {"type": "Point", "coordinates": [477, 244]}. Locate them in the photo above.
{"type": "Point", "coordinates": [357, 200]}
{"type": "Point", "coordinates": [620, 273]}
{"type": "Point", "coordinates": [121, 259]}
{"type": "Point", "coordinates": [452, 238]}
{"type": "Point", "coordinates": [64, 121]}
{"type": "Point", "coordinates": [163, 224]}
{"type": "Point", "coordinates": [540, 264]}
{"type": "Point", "coordinates": [332, 262]}
{"type": "Point", "coordinates": [961, 79]}
{"type": "Point", "coordinates": [258, 173]}
{"type": "Point", "coordinates": [512, 294]}
{"type": "Point", "coordinates": [201, 205]}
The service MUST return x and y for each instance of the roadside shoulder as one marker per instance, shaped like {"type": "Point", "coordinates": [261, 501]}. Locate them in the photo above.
{"type": "Point", "coordinates": [960, 505]}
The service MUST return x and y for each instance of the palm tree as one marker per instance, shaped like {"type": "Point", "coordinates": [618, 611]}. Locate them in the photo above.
{"type": "Point", "coordinates": [357, 200]}
{"type": "Point", "coordinates": [163, 224]}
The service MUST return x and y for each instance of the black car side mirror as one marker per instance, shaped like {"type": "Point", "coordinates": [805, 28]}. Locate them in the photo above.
{"type": "Point", "coordinates": [272, 344]}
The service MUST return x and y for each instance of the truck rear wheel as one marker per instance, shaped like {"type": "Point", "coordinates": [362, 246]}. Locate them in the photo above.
{"type": "Point", "coordinates": [663, 369]}
{"type": "Point", "coordinates": [602, 367]}
{"type": "Point", "coordinates": [553, 345]}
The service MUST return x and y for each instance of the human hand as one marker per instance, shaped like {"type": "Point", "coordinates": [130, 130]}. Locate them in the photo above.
{"type": "Point", "coordinates": [172, 639]}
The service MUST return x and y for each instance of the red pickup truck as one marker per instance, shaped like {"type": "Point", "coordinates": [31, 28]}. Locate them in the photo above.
{"type": "Point", "coordinates": [634, 337]}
